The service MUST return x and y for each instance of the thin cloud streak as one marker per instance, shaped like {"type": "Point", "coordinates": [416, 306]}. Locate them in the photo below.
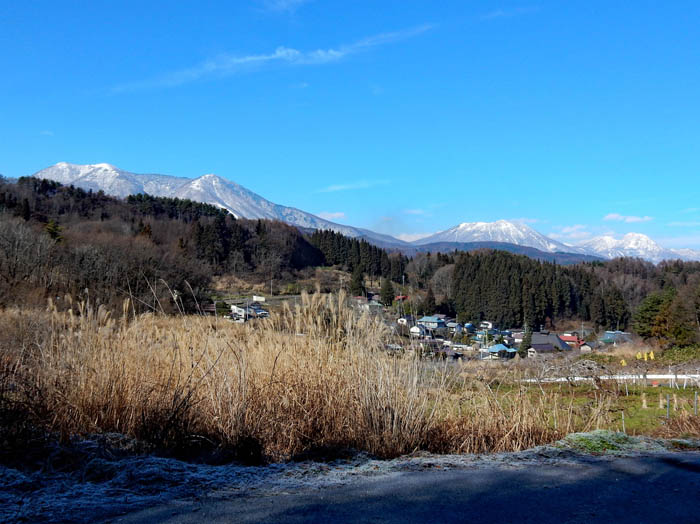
{"type": "Point", "coordinates": [575, 233]}
{"type": "Point", "coordinates": [331, 215]}
{"type": "Point", "coordinates": [418, 212]}
{"type": "Point", "coordinates": [362, 184]}
{"type": "Point", "coordinates": [694, 223]}
{"type": "Point", "coordinates": [509, 13]}
{"type": "Point", "coordinates": [228, 64]}
{"type": "Point", "coordinates": [284, 6]}
{"type": "Point", "coordinates": [628, 219]}
{"type": "Point", "coordinates": [410, 237]}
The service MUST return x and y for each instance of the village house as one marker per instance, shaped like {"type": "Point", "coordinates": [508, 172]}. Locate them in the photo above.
{"type": "Point", "coordinates": [497, 352]}
{"type": "Point", "coordinates": [615, 338]}
{"type": "Point", "coordinates": [572, 339]}
{"type": "Point", "coordinates": [545, 342]}
{"type": "Point", "coordinates": [455, 328]}
{"type": "Point", "coordinates": [432, 322]}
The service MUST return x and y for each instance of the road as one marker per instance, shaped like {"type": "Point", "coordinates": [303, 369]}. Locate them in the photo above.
{"type": "Point", "coordinates": [661, 488]}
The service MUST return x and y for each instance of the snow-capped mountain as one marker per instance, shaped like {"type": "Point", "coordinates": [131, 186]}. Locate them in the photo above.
{"type": "Point", "coordinates": [242, 202]}
{"type": "Point", "coordinates": [210, 189]}
{"type": "Point", "coordinates": [635, 245]}
{"type": "Point", "coordinates": [687, 254]}
{"type": "Point", "coordinates": [499, 231]}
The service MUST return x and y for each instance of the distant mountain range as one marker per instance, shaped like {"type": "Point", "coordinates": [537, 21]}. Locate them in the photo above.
{"type": "Point", "coordinates": [211, 189]}
{"type": "Point", "coordinates": [241, 202]}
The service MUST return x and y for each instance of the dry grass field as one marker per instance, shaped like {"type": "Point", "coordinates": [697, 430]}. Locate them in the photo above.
{"type": "Point", "coordinates": [313, 379]}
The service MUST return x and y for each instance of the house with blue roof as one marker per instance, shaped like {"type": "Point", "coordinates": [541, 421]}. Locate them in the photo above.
{"type": "Point", "coordinates": [431, 322]}
{"type": "Point", "coordinates": [497, 351]}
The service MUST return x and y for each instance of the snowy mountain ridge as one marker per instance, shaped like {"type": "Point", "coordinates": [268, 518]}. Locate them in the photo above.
{"type": "Point", "coordinates": [635, 245]}
{"type": "Point", "coordinates": [499, 231]}
{"type": "Point", "coordinates": [209, 188]}
{"type": "Point", "coordinates": [243, 203]}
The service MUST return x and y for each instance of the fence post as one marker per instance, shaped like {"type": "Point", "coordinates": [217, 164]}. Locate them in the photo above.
{"type": "Point", "coordinates": [668, 405]}
{"type": "Point", "coordinates": [624, 430]}
{"type": "Point", "coordinates": [696, 403]}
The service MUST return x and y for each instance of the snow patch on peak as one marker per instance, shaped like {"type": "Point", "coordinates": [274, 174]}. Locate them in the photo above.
{"type": "Point", "coordinates": [498, 231]}
{"type": "Point", "coordinates": [635, 245]}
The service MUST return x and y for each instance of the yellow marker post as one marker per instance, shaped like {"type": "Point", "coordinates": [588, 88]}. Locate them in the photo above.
{"type": "Point", "coordinates": [651, 355]}
{"type": "Point", "coordinates": [645, 356]}
{"type": "Point", "coordinates": [639, 356]}
{"type": "Point", "coordinates": [623, 363]}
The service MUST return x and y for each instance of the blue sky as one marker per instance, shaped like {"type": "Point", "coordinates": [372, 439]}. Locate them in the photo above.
{"type": "Point", "coordinates": [406, 117]}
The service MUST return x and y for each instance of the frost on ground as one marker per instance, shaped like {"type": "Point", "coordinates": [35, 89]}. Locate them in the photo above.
{"type": "Point", "coordinates": [108, 484]}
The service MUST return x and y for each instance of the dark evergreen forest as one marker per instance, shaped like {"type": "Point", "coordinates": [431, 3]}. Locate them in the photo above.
{"type": "Point", "coordinates": [353, 253]}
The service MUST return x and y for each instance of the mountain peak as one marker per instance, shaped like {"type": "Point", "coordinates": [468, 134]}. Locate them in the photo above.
{"type": "Point", "coordinates": [503, 231]}
{"type": "Point", "coordinates": [209, 188]}
{"type": "Point", "coordinates": [635, 245]}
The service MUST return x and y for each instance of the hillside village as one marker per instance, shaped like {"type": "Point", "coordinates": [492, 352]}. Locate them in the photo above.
{"type": "Point", "coordinates": [439, 336]}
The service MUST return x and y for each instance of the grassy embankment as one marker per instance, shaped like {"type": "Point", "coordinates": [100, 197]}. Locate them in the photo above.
{"type": "Point", "coordinates": [313, 379]}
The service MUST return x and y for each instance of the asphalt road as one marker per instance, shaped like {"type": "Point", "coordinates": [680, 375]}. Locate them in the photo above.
{"type": "Point", "coordinates": [653, 489]}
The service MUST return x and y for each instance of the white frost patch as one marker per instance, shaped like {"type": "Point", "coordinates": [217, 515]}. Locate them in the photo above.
{"type": "Point", "coordinates": [107, 488]}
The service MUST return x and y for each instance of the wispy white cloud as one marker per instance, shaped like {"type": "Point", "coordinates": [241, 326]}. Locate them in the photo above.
{"type": "Point", "coordinates": [509, 12]}
{"type": "Point", "coordinates": [46, 132]}
{"type": "Point", "coordinates": [331, 215]}
{"type": "Point", "coordinates": [690, 210]}
{"type": "Point", "coordinates": [692, 223]}
{"type": "Point", "coordinates": [361, 184]}
{"type": "Point", "coordinates": [686, 241]}
{"type": "Point", "coordinates": [410, 237]}
{"type": "Point", "coordinates": [229, 64]}
{"type": "Point", "coordinates": [283, 6]}
{"type": "Point", "coordinates": [629, 219]}
{"type": "Point", "coordinates": [300, 85]}
{"type": "Point", "coordinates": [574, 233]}
{"type": "Point", "coordinates": [418, 212]}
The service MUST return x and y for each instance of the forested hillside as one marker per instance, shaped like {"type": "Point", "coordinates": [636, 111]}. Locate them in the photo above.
{"type": "Point", "coordinates": [514, 290]}
{"type": "Point", "coordinates": [353, 254]}
{"type": "Point", "coordinates": [58, 239]}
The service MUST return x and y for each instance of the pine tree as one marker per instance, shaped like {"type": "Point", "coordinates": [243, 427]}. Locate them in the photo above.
{"type": "Point", "coordinates": [429, 302]}
{"type": "Point", "coordinates": [387, 292]}
{"type": "Point", "coordinates": [54, 230]}
{"type": "Point", "coordinates": [357, 282]}
{"type": "Point", "coordinates": [526, 343]}
{"type": "Point", "coordinates": [25, 211]}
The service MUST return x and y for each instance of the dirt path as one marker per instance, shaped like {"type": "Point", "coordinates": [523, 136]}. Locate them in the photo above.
{"type": "Point", "coordinates": [656, 488]}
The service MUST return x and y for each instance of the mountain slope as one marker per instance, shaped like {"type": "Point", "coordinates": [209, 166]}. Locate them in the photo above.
{"type": "Point", "coordinates": [500, 231]}
{"type": "Point", "coordinates": [210, 189]}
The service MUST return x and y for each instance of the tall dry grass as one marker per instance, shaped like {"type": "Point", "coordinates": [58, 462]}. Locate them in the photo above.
{"type": "Point", "coordinates": [314, 377]}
